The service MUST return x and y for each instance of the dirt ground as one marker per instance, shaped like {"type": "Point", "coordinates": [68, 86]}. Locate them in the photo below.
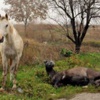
{"type": "Point", "coordinates": [87, 96]}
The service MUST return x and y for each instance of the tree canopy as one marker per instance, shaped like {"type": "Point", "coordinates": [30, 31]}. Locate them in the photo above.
{"type": "Point", "coordinates": [26, 10]}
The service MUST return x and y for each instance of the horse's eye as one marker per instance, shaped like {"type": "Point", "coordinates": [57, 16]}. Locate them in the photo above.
{"type": "Point", "coordinates": [6, 26]}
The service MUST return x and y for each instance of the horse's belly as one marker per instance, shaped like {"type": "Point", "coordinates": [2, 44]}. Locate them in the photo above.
{"type": "Point", "coordinates": [10, 53]}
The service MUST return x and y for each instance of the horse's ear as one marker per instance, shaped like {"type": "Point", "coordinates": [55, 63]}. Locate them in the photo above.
{"type": "Point", "coordinates": [6, 16]}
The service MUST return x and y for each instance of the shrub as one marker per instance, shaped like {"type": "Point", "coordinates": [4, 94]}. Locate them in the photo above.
{"type": "Point", "coordinates": [66, 53]}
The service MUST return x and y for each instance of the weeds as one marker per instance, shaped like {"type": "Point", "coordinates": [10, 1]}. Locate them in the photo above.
{"type": "Point", "coordinates": [66, 53]}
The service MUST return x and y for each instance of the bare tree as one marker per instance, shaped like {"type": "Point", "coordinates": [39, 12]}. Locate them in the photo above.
{"type": "Point", "coordinates": [26, 10]}
{"type": "Point", "coordinates": [79, 14]}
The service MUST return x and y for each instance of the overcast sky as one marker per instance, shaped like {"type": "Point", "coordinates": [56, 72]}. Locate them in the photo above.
{"type": "Point", "coordinates": [2, 6]}
{"type": "Point", "coordinates": [48, 20]}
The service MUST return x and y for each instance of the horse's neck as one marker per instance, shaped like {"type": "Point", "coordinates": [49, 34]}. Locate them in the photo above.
{"type": "Point", "coordinates": [10, 36]}
{"type": "Point", "coordinates": [9, 39]}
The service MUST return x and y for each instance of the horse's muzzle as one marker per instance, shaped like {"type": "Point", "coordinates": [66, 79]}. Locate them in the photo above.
{"type": "Point", "coordinates": [2, 39]}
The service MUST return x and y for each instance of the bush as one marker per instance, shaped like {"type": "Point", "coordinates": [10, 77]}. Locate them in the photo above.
{"type": "Point", "coordinates": [66, 53]}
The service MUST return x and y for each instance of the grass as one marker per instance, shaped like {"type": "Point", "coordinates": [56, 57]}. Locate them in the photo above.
{"type": "Point", "coordinates": [35, 84]}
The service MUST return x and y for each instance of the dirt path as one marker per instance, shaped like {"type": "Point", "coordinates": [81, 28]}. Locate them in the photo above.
{"type": "Point", "coordinates": [87, 96]}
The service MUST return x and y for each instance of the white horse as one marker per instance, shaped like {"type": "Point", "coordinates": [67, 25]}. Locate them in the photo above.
{"type": "Point", "coordinates": [11, 49]}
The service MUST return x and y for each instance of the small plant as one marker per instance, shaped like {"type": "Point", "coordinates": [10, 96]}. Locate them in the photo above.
{"type": "Point", "coordinates": [66, 53]}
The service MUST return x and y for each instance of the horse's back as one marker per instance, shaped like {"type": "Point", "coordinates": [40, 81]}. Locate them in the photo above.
{"type": "Point", "coordinates": [78, 71]}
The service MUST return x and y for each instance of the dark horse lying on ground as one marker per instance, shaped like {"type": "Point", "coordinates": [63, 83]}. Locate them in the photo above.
{"type": "Point", "coordinates": [75, 76]}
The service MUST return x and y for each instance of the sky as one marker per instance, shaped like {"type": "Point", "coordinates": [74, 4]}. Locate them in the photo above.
{"type": "Point", "coordinates": [2, 6]}
{"type": "Point", "coordinates": [48, 20]}
{"type": "Point", "coordinates": [2, 12]}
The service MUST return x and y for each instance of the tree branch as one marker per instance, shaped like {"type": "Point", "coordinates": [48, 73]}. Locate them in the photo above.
{"type": "Point", "coordinates": [63, 9]}
{"type": "Point", "coordinates": [70, 38]}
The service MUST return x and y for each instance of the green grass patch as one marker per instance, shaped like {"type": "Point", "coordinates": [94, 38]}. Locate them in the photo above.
{"type": "Point", "coordinates": [35, 83]}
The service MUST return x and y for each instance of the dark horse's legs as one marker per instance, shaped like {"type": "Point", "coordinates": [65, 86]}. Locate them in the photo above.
{"type": "Point", "coordinates": [79, 80]}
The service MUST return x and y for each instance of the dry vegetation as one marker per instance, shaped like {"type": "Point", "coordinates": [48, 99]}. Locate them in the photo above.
{"type": "Point", "coordinates": [46, 41]}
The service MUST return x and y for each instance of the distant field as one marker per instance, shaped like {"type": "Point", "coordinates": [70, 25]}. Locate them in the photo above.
{"type": "Point", "coordinates": [45, 41]}
{"type": "Point", "coordinates": [48, 32]}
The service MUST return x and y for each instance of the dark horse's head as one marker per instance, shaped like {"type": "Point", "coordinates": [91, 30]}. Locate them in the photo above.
{"type": "Point", "coordinates": [49, 65]}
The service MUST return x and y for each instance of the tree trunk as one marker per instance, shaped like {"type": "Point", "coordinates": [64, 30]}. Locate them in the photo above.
{"type": "Point", "coordinates": [25, 30]}
{"type": "Point", "coordinates": [77, 48]}
{"type": "Point", "coordinates": [25, 27]}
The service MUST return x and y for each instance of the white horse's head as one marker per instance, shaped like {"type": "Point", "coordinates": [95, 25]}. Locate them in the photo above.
{"type": "Point", "coordinates": [5, 27]}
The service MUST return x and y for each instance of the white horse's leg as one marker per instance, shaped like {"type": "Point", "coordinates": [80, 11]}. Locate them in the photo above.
{"type": "Point", "coordinates": [17, 64]}
{"type": "Point", "coordinates": [5, 67]}
{"type": "Point", "coordinates": [13, 72]}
